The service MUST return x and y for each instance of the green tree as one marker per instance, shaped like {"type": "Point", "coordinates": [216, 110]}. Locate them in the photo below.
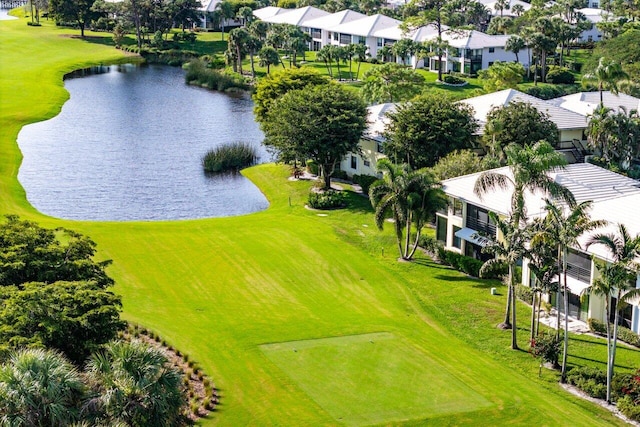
{"type": "Point", "coordinates": [502, 75]}
{"type": "Point", "coordinates": [563, 228]}
{"type": "Point", "coordinates": [274, 86]}
{"type": "Point", "coordinates": [238, 44]}
{"type": "Point", "coordinates": [326, 55]}
{"type": "Point", "coordinates": [528, 171]}
{"type": "Point", "coordinates": [322, 123]}
{"type": "Point", "coordinates": [521, 124]}
{"type": "Point", "coordinates": [404, 49]}
{"type": "Point", "coordinates": [616, 136]}
{"type": "Point", "coordinates": [78, 11]}
{"type": "Point", "coordinates": [245, 13]}
{"type": "Point", "coordinates": [134, 384]}
{"type": "Point", "coordinates": [268, 57]}
{"type": "Point", "coordinates": [391, 83]}
{"type": "Point", "coordinates": [617, 278]}
{"type": "Point", "coordinates": [515, 44]}
{"type": "Point", "coordinates": [410, 198]}
{"type": "Point", "coordinates": [39, 388]}
{"type": "Point", "coordinates": [607, 75]}
{"type": "Point", "coordinates": [428, 128]}
{"type": "Point", "coordinates": [75, 318]}
{"type": "Point", "coordinates": [458, 163]}
{"type": "Point", "coordinates": [30, 253]}
{"type": "Point", "coordinates": [224, 11]}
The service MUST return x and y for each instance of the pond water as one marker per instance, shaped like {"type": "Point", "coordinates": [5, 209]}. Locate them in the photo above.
{"type": "Point", "coordinates": [128, 145]}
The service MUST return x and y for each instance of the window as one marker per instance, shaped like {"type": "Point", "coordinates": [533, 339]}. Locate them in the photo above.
{"type": "Point", "coordinates": [441, 229]}
{"type": "Point", "coordinates": [579, 266]}
{"type": "Point", "coordinates": [492, 49]}
{"type": "Point", "coordinates": [457, 207]}
{"type": "Point", "coordinates": [345, 38]}
{"type": "Point", "coordinates": [367, 163]}
{"type": "Point", "coordinates": [380, 42]}
{"type": "Point", "coordinates": [379, 147]}
{"type": "Point", "coordinates": [490, 63]}
{"type": "Point", "coordinates": [457, 242]}
{"type": "Point", "coordinates": [354, 162]}
{"type": "Point", "coordinates": [478, 219]}
{"type": "Point", "coordinates": [335, 36]}
{"type": "Point", "coordinates": [316, 33]}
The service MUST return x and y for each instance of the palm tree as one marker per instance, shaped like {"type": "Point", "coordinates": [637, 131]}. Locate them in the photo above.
{"type": "Point", "coordinates": [326, 55]}
{"type": "Point", "coordinates": [268, 57]}
{"type": "Point", "coordinates": [224, 11]}
{"type": "Point", "coordinates": [238, 43]}
{"type": "Point", "coordinates": [529, 166]}
{"type": "Point", "coordinates": [39, 388]}
{"type": "Point", "coordinates": [617, 278]}
{"type": "Point", "coordinates": [360, 53]}
{"type": "Point", "coordinates": [515, 44]}
{"type": "Point", "coordinates": [133, 384]}
{"type": "Point", "coordinates": [564, 227]}
{"type": "Point", "coordinates": [606, 75]}
{"type": "Point", "coordinates": [411, 198]}
{"type": "Point", "coordinates": [510, 248]}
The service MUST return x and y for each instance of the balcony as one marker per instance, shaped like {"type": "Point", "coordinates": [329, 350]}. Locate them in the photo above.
{"type": "Point", "coordinates": [578, 272]}
{"type": "Point", "coordinates": [480, 226]}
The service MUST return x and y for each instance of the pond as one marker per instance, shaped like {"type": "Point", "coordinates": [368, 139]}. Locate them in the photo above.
{"type": "Point", "coordinates": [4, 15]}
{"type": "Point", "coordinates": [128, 145]}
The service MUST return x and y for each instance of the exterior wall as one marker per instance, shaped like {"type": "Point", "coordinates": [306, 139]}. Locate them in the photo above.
{"type": "Point", "coordinates": [590, 35]}
{"type": "Point", "coordinates": [502, 55]}
{"type": "Point", "coordinates": [370, 155]}
{"type": "Point", "coordinates": [568, 135]}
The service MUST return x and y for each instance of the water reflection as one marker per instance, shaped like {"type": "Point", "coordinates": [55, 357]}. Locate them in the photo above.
{"type": "Point", "coordinates": [128, 146]}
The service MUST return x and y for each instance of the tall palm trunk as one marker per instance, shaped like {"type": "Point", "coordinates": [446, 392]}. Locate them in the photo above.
{"type": "Point", "coordinates": [514, 328]}
{"type": "Point", "coordinates": [506, 324]}
{"type": "Point", "coordinates": [609, 368]}
{"type": "Point", "coordinates": [565, 349]}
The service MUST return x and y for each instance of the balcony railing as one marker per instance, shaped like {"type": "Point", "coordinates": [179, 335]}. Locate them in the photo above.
{"type": "Point", "coordinates": [482, 226]}
{"type": "Point", "coordinates": [579, 273]}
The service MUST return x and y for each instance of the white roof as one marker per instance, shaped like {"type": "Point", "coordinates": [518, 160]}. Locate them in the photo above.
{"type": "Point", "coordinates": [334, 19]}
{"type": "Point", "coordinates": [268, 11]}
{"type": "Point", "coordinates": [378, 120]}
{"type": "Point", "coordinates": [585, 102]}
{"type": "Point", "coordinates": [595, 15]}
{"type": "Point", "coordinates": [615, 197]}
{"type": "Point", "coordinates": [475, 39]}
{"type": "Point", "coordinates": [563, 118]}
{"type": "Point", "coordinates": [297, 17]}
{"type": "Point", "coordinates": [367, 26]}
{"type": "Point", "coordinates": [420, 34]}
{"type": "Point", "coordinates": [207, 6]}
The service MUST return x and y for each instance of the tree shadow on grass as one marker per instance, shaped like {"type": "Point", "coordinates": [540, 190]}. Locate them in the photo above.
{"type": "Point", "coordinates": [358, 203]}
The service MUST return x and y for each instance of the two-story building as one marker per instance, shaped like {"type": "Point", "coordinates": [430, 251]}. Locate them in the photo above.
{"type": "Point", "coordinates": [465, 226]}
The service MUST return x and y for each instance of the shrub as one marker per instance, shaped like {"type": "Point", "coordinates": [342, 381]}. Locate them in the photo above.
{"type": "Point", "coordinates": [364, 181]}
{"type": "Point", "coordinates": [629, 408]}
{"type": "Point", "coordinates": [524, 293]}
{"type": "Point", "coordinates": [560, 75]}
{"type": "Point", "coordinates": [624, 334]}
{"type": "Point", "coordinates": [597, 326]}
{"type": "Point", "coordinates": [626, 384]}
{"type": "Point", "coordinates": [199, 74]}
{"type": "Point", "coordinates": [546, 347]}
{"type": "Point", "coordinates": [430, 244]}
{"type": "Point", "coordinates": [340, 174]}
{"type": "Point", "coordinates": [496, 271]}
{"type": "Point", "coordinates": [453, 80]}
{"type": "Point", "coordinates": [329, 199]}
{"type": "Point", "coordinates": [465, 264]}
{"type": "Point", "coordinates": [229, 157]}
{"type": "Point", "coordinates": [546, 92]}
{"type": "Point", "coordinates": [592, 381]}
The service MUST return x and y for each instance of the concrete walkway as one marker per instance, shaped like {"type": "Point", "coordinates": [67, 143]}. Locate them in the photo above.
{"type": "Point", "coordinates": [575, 325]}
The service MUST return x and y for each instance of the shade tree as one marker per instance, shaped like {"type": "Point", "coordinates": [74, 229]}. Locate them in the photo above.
{"type": "Point", "coordinates": [391, 83]}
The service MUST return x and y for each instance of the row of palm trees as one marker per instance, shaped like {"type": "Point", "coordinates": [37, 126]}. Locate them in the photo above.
{"type": "Point", "coordinates": [554, 235]}
{"type": "Point", "coordinates": [127, 383]}
{"type": "Point", "coordinates": [411, 199]}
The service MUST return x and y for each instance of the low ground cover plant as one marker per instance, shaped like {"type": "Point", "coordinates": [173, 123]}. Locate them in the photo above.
{"type": "Point", "coordinates": [329, 199]}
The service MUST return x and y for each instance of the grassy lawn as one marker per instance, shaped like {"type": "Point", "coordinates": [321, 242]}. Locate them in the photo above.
{"type": "Point", "coordinates": [239, 294]}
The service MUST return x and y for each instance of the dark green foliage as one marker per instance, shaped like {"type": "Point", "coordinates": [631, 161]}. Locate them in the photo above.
{"type": "Point", "coordinates": [319, 122]}
{"type": "Point", "coordinates": [546, 91]}
{"type": "Point", "coordinates": [521, 124]}
{"type": "Point", "coordinates": [312, 167]}
{"type": "Point", "coordinates": [430, 244]}
{"type": "Point", "coordinates": [524, 293]}
{"type": "Point", "coordinates": [547, 347]}
{"type": "Point", "coordinates": [229, 157]}
{"type": "Point", "coordinates": [458, 163]}
{"type": "Point", "coordinates": [560, 75]}
{"type": "Point", "coordinates": [453, 80]}
{"type": "Point", "coordinates": [275, 85]}
{"type": "Point", "coordinates": [364, 181]}
{"type": "Point", "coordinates": [627, 384]}
{"type": "Point", "coordinates": [624, 334]}
{"type": "Point", "coordinates": [623, 49]}
{"type": "Point", "coordinates": [592, 381]}
{"type": "Point", "coordinates": [72, 317]}
{"type": "Point", "coordinates": [329, 199]}
{"type": "Point", "coordinates": [428, 128]}
{"type": "Point", "coordinates": [199, 74]}
{"type": "Point", "coordinates": [30, 253]}
{"type": "Point", "coordinates": [340, 174]}
{"type": "Point", "coordinates": [629, 408]}
{"type": "Point", "coordinates": [468, 265]}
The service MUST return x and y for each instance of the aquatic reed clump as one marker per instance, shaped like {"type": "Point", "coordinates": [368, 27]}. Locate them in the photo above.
{"type": "Point", "coordinates": [229, 157]}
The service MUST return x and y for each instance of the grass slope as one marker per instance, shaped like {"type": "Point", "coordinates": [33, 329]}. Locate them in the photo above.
{"type": "Point", "coordinates": [224, 290]}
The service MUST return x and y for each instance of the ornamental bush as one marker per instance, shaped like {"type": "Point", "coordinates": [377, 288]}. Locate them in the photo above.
{"type": "Point", "coordinates": [364, 181]}
{"type": "Point", "coordinates": [329, 199]}
{"type": "Point", "coordinates": [546, 347]}
{"type": "Point", "coordinates": [560, 75]}
{"type": "Point", "coordinates": [592, 381]}
{"type": "Point", "coordinates": [453, 80]}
